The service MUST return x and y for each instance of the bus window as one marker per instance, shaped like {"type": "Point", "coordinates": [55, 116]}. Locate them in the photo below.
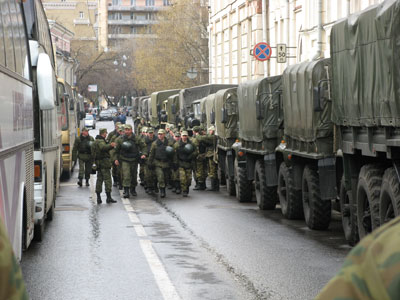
{"type": "Point", "coordinates": [2, 49]}
{"type": "Point", "coordinates": [62, 111]}
{"type": "Point", "coordinates": [16, 37]}
{"type": "Point", "coordinates": [8, 42]}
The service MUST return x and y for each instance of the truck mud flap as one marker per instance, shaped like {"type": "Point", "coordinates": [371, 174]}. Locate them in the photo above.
{"type": "Point", "coordinates": [231, 161]}
{"type": "Point", "coordinates": [327, 178]}
{"type": "Point", "coordinates": [271, 170]}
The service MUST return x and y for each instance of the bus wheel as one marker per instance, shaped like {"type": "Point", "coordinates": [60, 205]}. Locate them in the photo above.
{"type": "Point", "coordinates": [349, 218]}
{"type": "Point", "coordinates": [230, 182]}
{"type": "Point", "coordinates": [289, 198]}
{"type": "Point", "coordinates": [266, 196]}
{"type": "Point", "coordinates": [243, 185]}
{"type": "Point", "coordinates": [317, 212]}
{"type": "Point", "coordinates": [368, 193]}
{"type": "Point", "coordinates": [389, 201]}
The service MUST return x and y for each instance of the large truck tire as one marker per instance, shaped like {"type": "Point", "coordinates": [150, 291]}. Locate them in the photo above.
{"type": "Point", "coordinates": [349, 217]}
{"type": "Point", "coordinates": [266, 196]}
{"type": "Point", "coordinates": [389, 201]}
{"type": "Point", "coordinates": [243, 185]}
{"type": "Point", "coordinates": [289, 198]}
{"type": "Point", "coordinates": [230, 182]}
{"type": "Point", "coordinates": [317, 212]}
{"type": "Point", "coordinates": [368, 193]}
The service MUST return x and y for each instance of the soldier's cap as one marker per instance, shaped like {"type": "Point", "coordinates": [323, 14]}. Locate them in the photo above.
{"type": "Point", "coordinates": [177, 134]}
{"type": "Point", "coordinates": [150, 130]}
{"type": "Point", "coordinates": [121, 127]}
{"type": "Point", "coordinates": [103, 130]}
{"type": "Point", "coordinates": [84, 129]}
{"type": "Point", "coordinates": [128, 126]}
{"type": "Point", "coordinates": [144, 129]}
{"type": "Point", "coordinates": [161, 131]}
{"type": "Point", "coordinates": [211, 128]}
{"type": "Point", "coordinates": [184, 133]}
{"type": "Point", "coordinates": [167, 126]}
{"type": "Point", "coordinates": [196, 128]}
{"type": "Point", "coordinates": [171, 126]}
{"type": "Point", "coordinates": [118, 123]}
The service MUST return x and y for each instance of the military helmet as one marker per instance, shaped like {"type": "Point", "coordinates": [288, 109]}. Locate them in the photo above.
{"type": "Point", "coordinates": [188, 148]}
{"type": "Point", "coordinates": [169, 150]}
{"type": "Point", "coordinates": [126, 145]}
{"type": "Point", "coordinates": [177, 134]}
{"type": "Point", "coordinates": [144, 129]}
{"type": "Point", "coordinates": [196, 128]}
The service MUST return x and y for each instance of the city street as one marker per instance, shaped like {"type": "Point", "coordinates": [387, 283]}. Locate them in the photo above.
{"type": "Point", "coordinates": [206, 246]}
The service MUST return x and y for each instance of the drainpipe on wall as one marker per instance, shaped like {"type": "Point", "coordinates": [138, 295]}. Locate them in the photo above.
{"type": "Point", "coordinates": [287, 27]}
{"type": "Point", "coordinates": [320, 29]}
{"type": "Point", "coordinates": [265, 32]}
{"type": "Point", "coordinates": [348, 8]}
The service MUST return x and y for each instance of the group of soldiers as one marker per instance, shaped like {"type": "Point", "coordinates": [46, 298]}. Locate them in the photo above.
{"type": "Point", "coordinates": [168, 159]}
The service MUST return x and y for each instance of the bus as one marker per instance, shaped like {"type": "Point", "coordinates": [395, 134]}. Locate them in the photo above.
{"type": "Point", "coordinates": [16, 128]}
{"type": "Point", "coordinates": [47, 134]}
{"type": "Point", "coordinates": [80, 111]}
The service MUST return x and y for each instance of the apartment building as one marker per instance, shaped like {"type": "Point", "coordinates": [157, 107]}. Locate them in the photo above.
{"type": "Point", "coordinates": [304, 26]}
{"type": "Point", "coordinates": [120, 20]}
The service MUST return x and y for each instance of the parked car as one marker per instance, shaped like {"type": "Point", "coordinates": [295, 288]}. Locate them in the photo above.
{"type": "Point", "coordinates": [105, 115]}
{"type": "Point", "coordinates": [90, 122]}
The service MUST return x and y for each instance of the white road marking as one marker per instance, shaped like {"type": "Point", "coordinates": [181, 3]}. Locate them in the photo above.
{"type": "Point", "coordinates": [133, 217]}
{"type": "Point", "coordinates": [126, 201]}
{"type": "Point", "coordinates": [165, 285]}
{"type": "Point", "coordinates": [92, 189]}
{"type": "Point", "coordinates": [140, 230]}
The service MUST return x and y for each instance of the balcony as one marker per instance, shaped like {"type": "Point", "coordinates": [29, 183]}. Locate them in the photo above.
{"type": "Point", "coordinates": [129, 36]}
{"type": "Point", "coordinates": [136, 8]}
{"type": "Point", "coordinates": [132, 22]}
{"type": "Point", "coordinates": [81, 22]}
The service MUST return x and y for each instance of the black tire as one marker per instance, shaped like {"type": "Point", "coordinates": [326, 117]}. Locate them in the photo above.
{"type": "Point", "coordinates": [349, 217]}
{"type": "Point", "coordinates": [230, 182]}
{"type": "Point", "coordinates": [368, 193]}
{"type": "Point", "coordinates": [289, 198]}
{"type": "Point", "coordinates": [67, 173]}
{"type": "Point", "coordinates": [221, 175]}
{"type": "Point", "coordinates": [50, 213]}
{"type": "Point", "coordinates": [39, 231]}
{"type": "Point", "coordinates": [266, 196]}
{"type": "Point", "coordinates": [317, 212]}
{"type": "Point", "coordinates": [242, 184]}
{"type": "Point", "coordinates": [389, 201]}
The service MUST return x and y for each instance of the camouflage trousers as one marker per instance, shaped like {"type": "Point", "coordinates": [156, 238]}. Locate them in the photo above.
{"type": "Point", "coordinates": [175, 175]}
{"type": "Point", "coordinates": [85, 168]}
{"type": "Point", "coordinates": [129, 173]}
{"type": "Point", "coordinates": [142, 172]}
{"type": "Point", "coordinates": [162, 176]}
{"type": "Point", "coordinates": [103, 175]}
{"type": "Point", "coordinates": [149, 176]}
{"type": "Point", "coordinates": [212, 168]}
{"type": "Point", "coordinates": [201, 169]}
{"type": "Point", "coordinates": [185, 177]}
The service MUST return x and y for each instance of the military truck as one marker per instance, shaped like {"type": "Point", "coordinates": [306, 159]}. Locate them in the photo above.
{"type": "Point", "coordinates": [172, 109]}
{"type": "Point", "coordinates": [226, 123]}
{"type": "Point", "coordinates": [307, 172]}
{"type": "Point", "coordinates": [365, 91]}
{"type": "Point", "coordinates": [158, 116]}
{"type": "Point", "coordinates": [260, 132]}
{"type": "Point", "coordinates": [188, 109]}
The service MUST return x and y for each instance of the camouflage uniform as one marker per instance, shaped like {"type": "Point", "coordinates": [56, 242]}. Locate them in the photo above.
{"type": "Point", "coordinates": [176, 186]}
{"type": "Point", "coordinates": [183, 160]}
{"type": "Point", "coordinates": [149, 174]}
{"type": "Point", "coordinates": [101, 152]}
{"type": "Point", "coordinates": [12, 285]}
{"type": "Point", "coordinates": [116, 170]}
{"type": "Point", "coordinates": [113, 133]}
{"type": "Point", "coordinates": [142, 162]}
{"type": "Point", "coordinates": [82, 151]}
{"type": "Point", "coordinates": [371, 270]}
{"type": "Point", "coordinates": [200, 162]}
{"type": "Point", "coordinates": [128, 151]}
{"type": "Point", "coordinates": [211, 140]}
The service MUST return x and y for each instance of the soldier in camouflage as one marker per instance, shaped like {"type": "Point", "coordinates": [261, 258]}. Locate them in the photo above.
{"type": "Point", "coordinates": [211, 140]}
{"type": "Point", "coordinates": [143, 135]}
{"type": "Point", "coordinates": [185, 152]}
{"type": "Point", "coordinates": [116, 170]}
{"type": "Point", "coordinates": [114, 132]}
{"type": "Point", "coordinates": [148, 173]}
{"type": "Point", "coordinates": [12, 285]}
{"type": "Point", "coordinates": [101, 152]}
{"type": "Point", "coordinates": [160, 156]}
{"type": "Point", "coordinates": [201, 161]}
{"type": "Point", "coordinates": [371, 269]}
{"type": "Point", "coordinates": [129, 149]}
{"type": "Point", "coordinates": [82, 150]}
{"type": "Point", "coordinates": [176, 185]}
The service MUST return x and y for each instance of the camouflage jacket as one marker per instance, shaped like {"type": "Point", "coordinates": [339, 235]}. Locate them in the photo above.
{"type": "Point", "coordinates": [111, 135]}
{"type": "Point", "coordinates": [138, 146]}
{"type": "Point", "coordinates": [101, 152]}
{"type": "Point", "coordinates": [183, 159]}
{"type": "Point", "coordinates": [82, 148]}
{"type": "Point", "coordinates": [156, 147]}
{"type": "Point", "coordinates": [371, 270]}
{"type": "Point", "coordinates": [210, 141]}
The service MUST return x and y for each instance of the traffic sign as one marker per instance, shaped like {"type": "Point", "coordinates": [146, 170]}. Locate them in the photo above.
{"type": "Point", "coordinates": [262, 51]}
{"type": "Point", "coordinates": [281, 53]}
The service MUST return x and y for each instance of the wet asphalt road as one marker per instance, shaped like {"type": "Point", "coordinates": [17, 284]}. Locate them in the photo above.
{"type": "Point", "coordinates": [206, 246]}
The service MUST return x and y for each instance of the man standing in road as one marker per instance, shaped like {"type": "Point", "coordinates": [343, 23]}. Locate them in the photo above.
{"type": "Point", "coordinates": [114, 132]}
{"type": "Point", "coordinates": [149, 174]}
{"type": "Point", "coordinates": [200, 162]}
{"type": "Point", "coordinates": [101, 151]}
{"type": "Point", "coordinates": [185, 152]}
{"type": "Point", "coordinates": [129, 149]}
{"type": "Point", "coordinates": [83, 151]}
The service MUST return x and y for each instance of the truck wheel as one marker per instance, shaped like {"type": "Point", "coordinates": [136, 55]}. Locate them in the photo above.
{"type": "Point", "coordinates": [243, 185]}
{"type": "Point", "coordinates": [289, 198]}
{"type": "Point", "coordinates": [389, 201]}
{"type": "Point", "coordinates": [317, 212]}
{"type": "Point", "coordinates": [221, 175]}
{"type": "Point", "coordinates": [368, 193]}
{"type": "Point", "coordinates": [266, 196]}
{"type": "Point", "coordinates": [50, 213]}
{"type": "Point", "coordinates": [39, 231]}
{"type": "Point", "coordinates": [230, 182]}
{"type": "Point", "coordinates": [349, 218]}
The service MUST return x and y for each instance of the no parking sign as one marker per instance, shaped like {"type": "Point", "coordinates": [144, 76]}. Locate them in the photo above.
{"type": "Point", "coordinates": [262, 51]}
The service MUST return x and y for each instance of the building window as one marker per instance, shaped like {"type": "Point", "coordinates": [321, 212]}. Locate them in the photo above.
{"type": "Point", "coordinates": [81, 15]}
{"type": "Point", "coordinates": [149, 16]}
{"type": "Point", "coordinates": [149, 2]}
{"type": "Point", "coordinates": [166, 2]}
{"type": "Point", "coordinates": [134, 30]}
{"type": "Point", "coordinates": [116, 2]}
{"type": "Point", "coordinates": [133, 2]}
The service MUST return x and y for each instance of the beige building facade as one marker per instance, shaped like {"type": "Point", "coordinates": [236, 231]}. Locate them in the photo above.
{"type": "Point", "coordinates": [304, 26]}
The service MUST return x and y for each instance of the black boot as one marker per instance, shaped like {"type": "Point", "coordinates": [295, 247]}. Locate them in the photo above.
{"type": "Point", "coordinates": [87, 182]}
{"type": "Point", "coordinates": [99, 198]}
{"type": "Point", "coordinates": [120, 187]}
{"type": "Point", "coordinates": [203, 186]}
{"type": "Point", "coordinates": [109, 199]}
{"type": "Point", "coordinates": [173, 186]}
{"type": "Point", "coordinates": [197, 186]}
{"type": "Point", "coordinates": [185, 193]}
{"type": "Point", "coordinates": [126, 192]}
{"type": "Point", "coordinates": [133, 191]}
{"type": "Point", "coordinates": [115, 181]}
{"type": "Point", "coordinates": [216, 185]}
{"type": "Point", "coordinates": [178, 188]}
{"type": "Point", "coordinates": [80, 181]}
{"type": "Point", "coordinates": [162, 194]}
